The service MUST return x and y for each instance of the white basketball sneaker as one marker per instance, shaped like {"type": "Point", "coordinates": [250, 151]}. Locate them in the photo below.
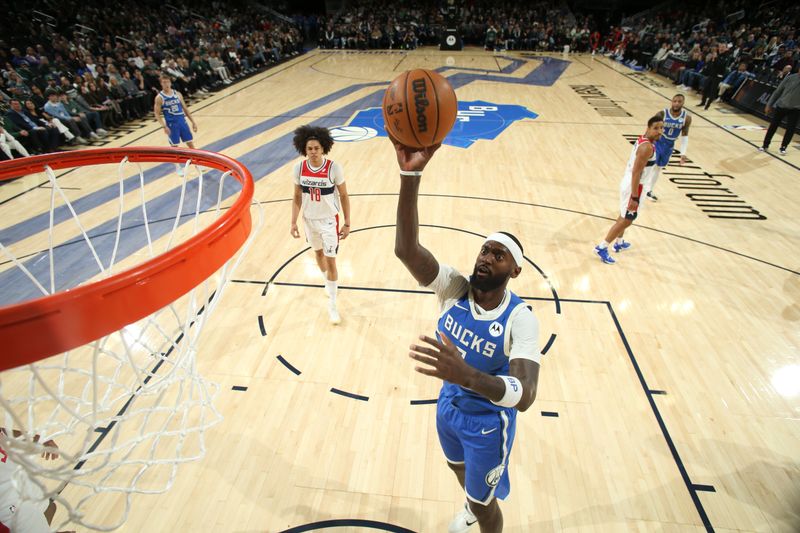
{"type": "Point", "coordinates": [463, 521]}
{"type": "Point", "coordinates": [333, 314]}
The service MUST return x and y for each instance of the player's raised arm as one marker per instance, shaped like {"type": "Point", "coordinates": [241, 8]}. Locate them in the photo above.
{"type": "Point", "coordinates": [417, 259]}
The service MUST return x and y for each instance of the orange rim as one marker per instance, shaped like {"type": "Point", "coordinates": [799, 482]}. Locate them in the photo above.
{"type": "Point", "coordinates": [46, 326]}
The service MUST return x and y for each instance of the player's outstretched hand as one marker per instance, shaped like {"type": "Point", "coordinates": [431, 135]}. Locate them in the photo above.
{"type": "Point", "coordinates": [413, 158]}
{"type": "Point", "coordinates": [444, 359]}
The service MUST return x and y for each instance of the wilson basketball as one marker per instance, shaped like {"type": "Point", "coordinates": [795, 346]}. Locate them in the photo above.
{"type": "Point", "coordinates": [419, 108]}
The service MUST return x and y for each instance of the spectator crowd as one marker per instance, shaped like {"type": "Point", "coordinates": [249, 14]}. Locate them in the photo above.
{"type": "Point", "coordinates": [71, 75]}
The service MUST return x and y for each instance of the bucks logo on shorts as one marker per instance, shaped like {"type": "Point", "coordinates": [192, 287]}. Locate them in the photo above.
{"type": "Point", "coordinates": [494, 475]}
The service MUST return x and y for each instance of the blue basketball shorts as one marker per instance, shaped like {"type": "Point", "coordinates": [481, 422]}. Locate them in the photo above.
{"type": "Point", "coordinates": [664, 149]}
{"type": "Point", "coordinates": [482, 443]}
{"type": "Point", "coordinates": [179, 131]}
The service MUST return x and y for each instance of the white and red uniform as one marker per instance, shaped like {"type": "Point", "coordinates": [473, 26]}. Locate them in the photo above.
{"type": "Point", "coordinates": [647, 172]}
{"type": "Point", "coordinates": [320, 203]}
{"type": "Point", "coordinates": [22, 503]}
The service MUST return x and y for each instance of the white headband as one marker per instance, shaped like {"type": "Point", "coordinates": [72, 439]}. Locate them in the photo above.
{"type": "Point", "coordinates": [508, 242]}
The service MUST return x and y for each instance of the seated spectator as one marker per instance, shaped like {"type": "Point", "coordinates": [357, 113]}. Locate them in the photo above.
{"type": "Point", "coordinates": [36, 137]}
{"type": "Point", "coordinates": [219, 67]}
{"type": "Point", "coordinates": [660, 56]}
{"type": "Point", "coordinates": [775, 78]}
{"type": "Point", "coordinates": [690, 76]}
{"type": "Point", "coordinates": [8, 143]}
{"type": "Point", "coordinates": [46, 120]}
{"type": "Point", "coordinates": [733, 80]}
{"type": "Point", "coordinates": [76, 124]}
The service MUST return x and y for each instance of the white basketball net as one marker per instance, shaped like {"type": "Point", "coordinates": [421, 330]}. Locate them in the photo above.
{"type": "Point", "coordinates": [126, 409]}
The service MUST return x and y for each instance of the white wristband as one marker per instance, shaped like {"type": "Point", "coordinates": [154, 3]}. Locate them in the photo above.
{"type": "Point", "coordinates": [416, 173]}
{"type": "Point", "coordinates": [684, 144]}
{"type": "Point", "coordinates": [513, 392]}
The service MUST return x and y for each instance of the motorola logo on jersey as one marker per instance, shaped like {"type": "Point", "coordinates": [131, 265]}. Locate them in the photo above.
{"type": "Point", "coordinates": [476, 120]}
{"type": "Point", "coordinates": [496, 329]}
{"type": "Point", "coordinates": [468, 338]}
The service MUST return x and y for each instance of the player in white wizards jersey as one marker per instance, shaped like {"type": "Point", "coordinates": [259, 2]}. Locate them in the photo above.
{"type": "Point", "coordinates": [171, 112]}
{"type": "Point", "coordinates": [23, 507]}
{"type": "Point", "coordinates": [486, 352]}
{"type": "Point", "coordinates": [641, 165]}
{"type": "Point", "coordinates": [319, 189]}
{"type": "Point", "coordinates": [676, 124]}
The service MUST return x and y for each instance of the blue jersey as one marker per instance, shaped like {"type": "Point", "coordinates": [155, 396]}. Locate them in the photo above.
{"type": "Point", "coordinates": [171, 106]}
{"type": "Point", "coordinates": [484, 344]}
{"type": "Point", "coordinates": [673, 125]}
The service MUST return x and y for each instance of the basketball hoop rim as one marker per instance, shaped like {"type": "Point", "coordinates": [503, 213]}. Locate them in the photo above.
{"type": "Point", "coordinates": [49, 325]}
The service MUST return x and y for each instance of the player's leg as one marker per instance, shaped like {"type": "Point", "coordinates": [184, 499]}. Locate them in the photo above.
{"type": "Point", "coordinates": [321, 262]}
{"type": "Point", "coordinates": [174, 141]}
{"type": "Point", "coordinates": [314, 239]}
{"type": "Point", "coordinates": [448, 423]}
{"type": "Point", "coordinates": [791, 124]}
{"type": "Point", "coordinates": [777, 117]}
{"type": "Point", "coordinates": [490, 517]}
{"type": "Point", "coordinates": [329, 232]}
{"type": "Point", "coordinates": [664, 149]}
{"type": "Point", "coordinates": [487, 442]}
{"type": "Point", "coordinates": [186, 134]}
{"type": "Point", "coordinates": [459, 470]}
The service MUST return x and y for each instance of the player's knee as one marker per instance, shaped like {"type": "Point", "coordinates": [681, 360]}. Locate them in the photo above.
{"type": "Point", "coordinates": [484, 512]}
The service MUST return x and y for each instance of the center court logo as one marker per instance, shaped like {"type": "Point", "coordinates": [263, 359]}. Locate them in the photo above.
{"type": "Point", "coordinates": [476, 120]}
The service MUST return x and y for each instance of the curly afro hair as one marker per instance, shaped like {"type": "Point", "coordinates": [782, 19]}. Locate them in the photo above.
{"type": "Point", "coordinates": [303, 134]}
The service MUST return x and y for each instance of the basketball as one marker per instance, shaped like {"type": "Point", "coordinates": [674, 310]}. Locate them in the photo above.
{"type": "Point", "coordinates": [419, 108]}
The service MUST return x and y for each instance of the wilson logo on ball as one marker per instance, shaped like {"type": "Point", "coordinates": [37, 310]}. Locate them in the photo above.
{"type": "Point", "coordinates": [420, 103]}
{"type": "Point", "coordinates": [419, 108]}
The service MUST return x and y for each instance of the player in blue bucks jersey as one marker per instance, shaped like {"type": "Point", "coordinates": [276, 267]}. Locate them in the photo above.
{"type": "Point", "coordinates": [485, 351]}
{"type": "Point", "coordinates": [676, 124]}
{"type": "Point", "coordinates": [171, 112]}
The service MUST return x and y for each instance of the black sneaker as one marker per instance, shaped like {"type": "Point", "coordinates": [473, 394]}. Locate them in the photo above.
{"type": "Point", "coordinates": [652, 196]}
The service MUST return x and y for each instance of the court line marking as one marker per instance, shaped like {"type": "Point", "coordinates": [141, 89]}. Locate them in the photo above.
{"type": "Point", "coordinates": [348, 522]}
{"type": "Point", "coordinates": [269, 73]}
{"type": "Point", "coordinates": [555, 299]}
{"type": "Point", "coordinates": [695, 113]}
{"type": "Point", "coordinates": [650, 394]}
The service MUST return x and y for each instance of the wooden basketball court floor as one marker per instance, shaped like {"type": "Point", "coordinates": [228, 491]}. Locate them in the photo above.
{"type": "Point", "coordinates": [669, 396]}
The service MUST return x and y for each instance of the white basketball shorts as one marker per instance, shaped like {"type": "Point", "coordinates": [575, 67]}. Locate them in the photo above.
{"type": "Point", "coordinates": [323, 234]}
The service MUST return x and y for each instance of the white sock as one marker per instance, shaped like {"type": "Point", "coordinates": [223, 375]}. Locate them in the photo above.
{"type": "Point", "coordinates": [603, 245]}
{"type": "Point", "coordinates": [619, 240]}
{"type": "Point", "coordinates": [330, 288]}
